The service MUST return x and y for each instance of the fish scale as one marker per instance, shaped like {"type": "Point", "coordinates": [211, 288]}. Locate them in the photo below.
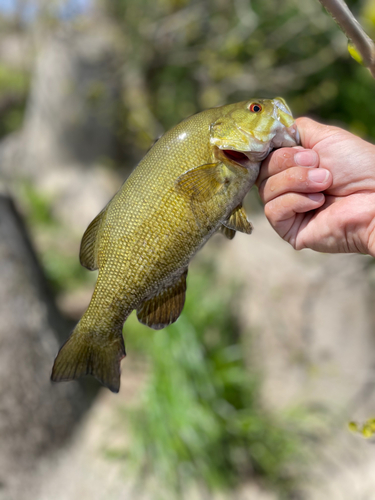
{"type": "Point", "coordinates": [185, 189]}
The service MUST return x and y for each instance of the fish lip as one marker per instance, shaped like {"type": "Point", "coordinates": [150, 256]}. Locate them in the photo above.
{"type": "Point", "coordinates": [256, 156]}
{"type": "Point", "coordinates": [250, 158]}
{"type": "Point", "coordinates": [294, 132]}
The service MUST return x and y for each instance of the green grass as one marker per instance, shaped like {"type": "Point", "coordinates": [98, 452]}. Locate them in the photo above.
{"type": "Point", "coordinates": [12, 79]}
{"type": "Point", "coordinates": [201, 420]}
{"type": "Point", "coordinates": [14, 86]}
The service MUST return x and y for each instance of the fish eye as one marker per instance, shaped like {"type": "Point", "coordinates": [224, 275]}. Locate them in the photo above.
{"type": "Point", "coordinates": [255, 107]}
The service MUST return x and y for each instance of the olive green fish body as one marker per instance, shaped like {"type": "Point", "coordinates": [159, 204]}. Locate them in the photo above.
{"type": "Point", "coordinates": [188, 186]}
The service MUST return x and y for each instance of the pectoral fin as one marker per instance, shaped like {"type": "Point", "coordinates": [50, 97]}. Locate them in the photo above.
{"type": "Point", "coordinates": [201, 183]}
{"type": "Point", "coordinates": [238, 221]}
{"type": "Point", "coordinates": [88, 251]}
{"type": "Point", "coordinates": [164, 308]}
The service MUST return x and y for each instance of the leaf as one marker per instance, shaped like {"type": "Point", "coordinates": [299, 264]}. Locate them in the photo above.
{"type": "Point", "coordinates": [352, 49]}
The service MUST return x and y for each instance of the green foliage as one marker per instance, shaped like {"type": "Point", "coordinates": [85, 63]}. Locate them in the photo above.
{"type": "Point", "coordinates": [200, 417]}
{"type": "Point", "coordinates": [38, 206]}
{"type": "Point", "coordinates": [64, 271]}
{"type": "Point", "coordinates": [61, 264]}
{"type": "Point", "coordinates": [14, 85]}
{"type": "Point", "coordinates": [191, 55]}
{"type": "Point", "coordinates": [12, 79]}
{"type": "Point", "coordinates": [367, 429]}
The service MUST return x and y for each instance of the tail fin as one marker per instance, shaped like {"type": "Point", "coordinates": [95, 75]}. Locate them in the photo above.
{"type": "Point", "coordinates": [82, 355]}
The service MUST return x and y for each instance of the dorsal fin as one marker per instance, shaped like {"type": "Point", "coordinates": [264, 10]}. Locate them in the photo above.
{"type": "Point", "coordinates": [165, 307]}
{"type": "Point", "coordinates": [88, 254]}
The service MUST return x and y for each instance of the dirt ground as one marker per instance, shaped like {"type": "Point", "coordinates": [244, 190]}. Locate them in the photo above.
{"type": "Point", "coordinates": [83, 471]}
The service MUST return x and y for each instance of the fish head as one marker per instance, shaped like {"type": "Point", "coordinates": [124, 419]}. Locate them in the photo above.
{"type": "Point", "coordinates": [248, 131]}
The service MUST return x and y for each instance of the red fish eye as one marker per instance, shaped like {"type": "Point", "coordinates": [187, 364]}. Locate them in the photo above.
{"type": "Point", "coordinates": [255, 107]}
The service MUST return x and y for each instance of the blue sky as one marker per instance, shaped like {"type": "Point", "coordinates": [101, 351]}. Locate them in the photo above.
{"type": "Point", "coordinates": [66, 7]}
{"type": "Point", "coordinates": [6, 5]}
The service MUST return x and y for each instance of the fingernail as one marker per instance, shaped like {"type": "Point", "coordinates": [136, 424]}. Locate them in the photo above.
{"type": "Point", "coordinates": [306, 158]}
{"type": "Point", "coordinates": [315, 196]}
{"type": "Point", "coordinates": [318, 174]}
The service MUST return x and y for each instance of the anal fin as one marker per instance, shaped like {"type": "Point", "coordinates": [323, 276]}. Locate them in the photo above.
{"type": "Point", "coordinates": [164, 308]}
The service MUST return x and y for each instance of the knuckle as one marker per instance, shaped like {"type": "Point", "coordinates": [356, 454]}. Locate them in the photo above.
{"type": "Point", "coordinates": [296, 176]}
{"type": "Point", "coordinates": [291, 239]}
{"type": "Point", "coordinates": [271, 211]}
{"type": "Point", "coordinates": [268, 211]}
{"type": "Point", "coordinates": [303, 121]}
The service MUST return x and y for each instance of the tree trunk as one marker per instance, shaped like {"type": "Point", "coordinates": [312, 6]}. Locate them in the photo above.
{"type": "Point", "coordinates": [35, 415]}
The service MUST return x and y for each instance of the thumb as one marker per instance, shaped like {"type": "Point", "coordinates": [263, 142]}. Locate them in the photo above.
{"type": "Point", "coordinates": [312, 132]}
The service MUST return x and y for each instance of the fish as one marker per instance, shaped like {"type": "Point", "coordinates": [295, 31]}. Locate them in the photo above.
{"type": "Point", "coordinates": [189, 185]}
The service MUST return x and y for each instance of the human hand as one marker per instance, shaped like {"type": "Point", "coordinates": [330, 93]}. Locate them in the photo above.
{"type": "Point", "coordinates": [333, 212]}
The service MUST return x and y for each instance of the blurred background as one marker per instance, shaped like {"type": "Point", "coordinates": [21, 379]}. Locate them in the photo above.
{"type": "Point", "coordinates": [249, 394]}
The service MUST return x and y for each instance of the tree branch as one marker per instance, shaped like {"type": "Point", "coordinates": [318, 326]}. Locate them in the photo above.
{"type": "Point", "coordinates": [353, 30]}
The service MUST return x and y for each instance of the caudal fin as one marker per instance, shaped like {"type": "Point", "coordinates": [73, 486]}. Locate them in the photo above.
{"type": "Point", "coordinates": [81, 355]}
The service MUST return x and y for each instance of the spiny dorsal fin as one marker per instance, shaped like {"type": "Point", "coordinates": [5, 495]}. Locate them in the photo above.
{"type": "Point", "coordinates": [238, 221]}
{"type": "Point", "coordinates": [228, 233]}
{"type": "Point", "coordinates": [164, 308]}
{"type": "Point", "coordinates": [201, 183]}
{"type": "Point", "coordinates": [88, 254]}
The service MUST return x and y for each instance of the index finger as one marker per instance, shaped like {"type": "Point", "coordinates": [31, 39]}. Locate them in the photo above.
{"type": "Point", "coordinates": [312, 132]}
{"type": "Point", "coordinates": [284, 158]}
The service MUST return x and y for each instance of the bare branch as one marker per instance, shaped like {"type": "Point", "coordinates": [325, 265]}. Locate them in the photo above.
{"type": "Point", "coordinates": [353, 30]}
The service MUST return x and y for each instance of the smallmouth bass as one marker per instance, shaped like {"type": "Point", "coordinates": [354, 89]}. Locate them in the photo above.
{"type": "Point", "coordinates": [188, 186]}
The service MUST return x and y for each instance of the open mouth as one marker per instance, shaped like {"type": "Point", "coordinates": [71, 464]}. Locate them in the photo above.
{"type": "Point", "coordinates": [236, 156]}
{"type": "Point", "coordinates": [245, 159]}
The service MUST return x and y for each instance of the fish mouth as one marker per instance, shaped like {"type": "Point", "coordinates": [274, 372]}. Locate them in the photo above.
{"type": "Point", "coordinates": [245, 158]}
